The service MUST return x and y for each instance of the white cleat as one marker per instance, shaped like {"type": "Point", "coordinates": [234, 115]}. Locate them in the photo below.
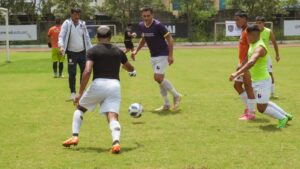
{"type": "Point", "coordinates": [177, 101]}
{"type": "Point", "coordinates": [72, 97]}
{"type": "Point", "coordinates": [163, 108]}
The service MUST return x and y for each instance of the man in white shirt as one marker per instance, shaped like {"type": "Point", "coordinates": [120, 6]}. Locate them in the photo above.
{"type": "Point", "coordinates": [74, 41]}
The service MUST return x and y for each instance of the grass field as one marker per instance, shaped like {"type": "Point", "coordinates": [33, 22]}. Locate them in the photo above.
{"type": "Point", "coordinates": [203, 134]}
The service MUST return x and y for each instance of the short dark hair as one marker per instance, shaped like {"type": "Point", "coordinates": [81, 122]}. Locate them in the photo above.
{"type": "Point", "coordinates": [260, 18]}
{"type": "Point", "coordinates": [253, 28]}
{"type": "Point", "coordinates": [104, 32]}
{"type": "Point", "coordinates": [75, 10]}
{"type": "Point", "coordinates": [147, 8]}
{"type": "Point", "coordinates": [58, 20]}
{"type": "Point", "coordinates": [241, 14]}
{"type": "Point", "coordinates": [129, 24]}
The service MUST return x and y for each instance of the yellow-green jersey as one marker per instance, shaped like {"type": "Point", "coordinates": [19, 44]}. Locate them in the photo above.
{"type": "Point", "coordinates": [265, 36]}
{"type": "Point", "coordinates": [259, 71]}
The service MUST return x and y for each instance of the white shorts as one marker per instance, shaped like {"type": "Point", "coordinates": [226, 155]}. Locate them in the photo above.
{"type": "Point", "coordinates": [262, 90]}
{"type": "Point", "coordinates": [269, 64]}
{"type": "Point", "coordinates": [106, 92]}
{"type": "Point", "coordinates": [160, 64]}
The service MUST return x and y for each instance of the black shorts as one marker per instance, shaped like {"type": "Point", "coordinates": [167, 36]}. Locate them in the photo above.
{"type": "Point", "coordinates": [128, 44]}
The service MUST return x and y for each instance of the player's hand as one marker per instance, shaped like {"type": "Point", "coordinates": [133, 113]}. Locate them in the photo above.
{"type": "Point", "coordinates": [170, 60]}
{"type": "Point", "coordinates": [49, 45]}
{"type": "Point", "coordinates": [77, 98]}
{"type": "Point", "coordinates": [133, 54]}
{"type": "Point", "coordinates": [132, 74]}
{"type": "Point", "coordinates": [232, 76]}
{"type": "Point", "coordinates": [62, 50]}
{"type": "Point", "coordinates": [277, 58]}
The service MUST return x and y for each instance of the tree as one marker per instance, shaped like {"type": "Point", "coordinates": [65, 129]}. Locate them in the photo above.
{"type": "Point", "coordinates": [196, 12]}
{"type": "Point", "coordinates": [261, 7]}
{"type": "Point", "coordinates": [21, 7]}
{"type": "Point", "coordinates": [62, 8]}
{"type": "Point", "coordinates": [125, 11]}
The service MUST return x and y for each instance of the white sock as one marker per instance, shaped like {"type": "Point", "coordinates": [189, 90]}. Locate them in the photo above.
{"type": "Point", "coordinates": [251, 103]}
{"type": "Point", "coordinates": [115, 130]}
{"type": "Point", "coordinates": [168, 86]}
{"type": "Point", "coordinates": [164, 94]}
{"type": "Point", "coordinates": [273, 112]}
{"type": "Point", "coordinates": [244, 98]}
{"type": "Point", "coordinates": [275, 106]}
{"type": "Point", "coordinates": [77, 121]}
{"type": "Point", "coordinates": [273, 89]}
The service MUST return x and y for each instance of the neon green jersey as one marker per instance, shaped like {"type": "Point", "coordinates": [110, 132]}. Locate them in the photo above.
{"type": "Point", "coordinates": [259, 71]}
{"type": "Point", "coordinates": [265, 36]}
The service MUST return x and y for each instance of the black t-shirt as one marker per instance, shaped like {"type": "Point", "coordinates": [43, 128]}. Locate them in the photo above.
{"type": "Point", "coordinates": [126, 36]}
{"type": "Point", "coordinates": [107, 59]}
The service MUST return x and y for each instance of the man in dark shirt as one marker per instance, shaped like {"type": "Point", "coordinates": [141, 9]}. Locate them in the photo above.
{"type": "Point", "coordinates": [160, 43]}
{"type": "Point", "coordinates": [128, 35]}
{"type": "Point", "coordinates": [104, 61]}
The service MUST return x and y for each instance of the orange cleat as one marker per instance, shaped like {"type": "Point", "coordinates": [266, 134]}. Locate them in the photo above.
{"type": "Point", "coordinates": [71, 141]}
{"type": "Point", "coordinates": [116, 148]}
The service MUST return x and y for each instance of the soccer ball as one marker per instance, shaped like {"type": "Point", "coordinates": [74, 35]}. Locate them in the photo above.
{"type": "Point", "coordinates": [135, 110]}
{"type": "Point", "coordinates": [134, 34]}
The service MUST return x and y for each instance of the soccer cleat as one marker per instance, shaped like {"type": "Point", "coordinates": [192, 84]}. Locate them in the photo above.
{"type": "Point", "coordinates": [244, 116]}
{"type": "Point", "coordinates": [61, 76]}
{"type": "Point", "coordinates": [282, 123]}
{"type": "Point", "coordinates": [289, 116]}
{"type": "Point", "coordinates": [116, 148]}
{"type": "Point", "coordinates": [163, 108]}
{"type": "Point", "coordinates": [71, 141]}
{"type": "Point", "coordinates": [72, 97]}
{"type": "Point", "coordinates": [177, 101]}
{"type": "Point", "coordinates": [55, 75]}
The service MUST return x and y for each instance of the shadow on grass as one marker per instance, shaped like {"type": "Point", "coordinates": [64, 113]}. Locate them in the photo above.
{"type": "Point", "coordinates": [4, 64]}
{"type": "Point", "coordinates": [138, 122]}
{"type": "Point", "coordinates": [260, 120]}
{"type": "Point", "coordinates": [166, 113]}
{"type": "Point", "coordinates": [104, 150]}
{"type": "Point", "coordinates": [269, 128]}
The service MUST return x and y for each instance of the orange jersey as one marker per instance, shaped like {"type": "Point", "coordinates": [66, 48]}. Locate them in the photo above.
{"type": "Point", "coordinates": [53, 33]}
{"type": "Point", "coordinates": [243, 46]}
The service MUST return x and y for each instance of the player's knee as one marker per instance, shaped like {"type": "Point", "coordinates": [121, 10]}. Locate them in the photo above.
{"type": "Point", "coordinates": [238, 87]}
{"type": "Point", "coordinates": [158, 79]}
{"type": "Point", "coordinates": [81, 108]}
{"type": "Point", "coordinates": [261, 108]}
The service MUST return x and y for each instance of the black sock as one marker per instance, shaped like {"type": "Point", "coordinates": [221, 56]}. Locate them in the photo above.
{"type": "Point", "coordinates": [61, 67]}
{"type": "Point", "coordinates": [54, 66]}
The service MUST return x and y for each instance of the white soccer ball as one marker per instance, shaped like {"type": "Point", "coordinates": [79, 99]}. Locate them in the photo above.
{"type": "Point", "coordinates": [134, 34]}
{"type": "Point", "coordinates": [135, 110]}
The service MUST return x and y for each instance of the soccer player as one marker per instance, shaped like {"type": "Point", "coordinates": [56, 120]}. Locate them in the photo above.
{"type": "Point", "coordinates": [160, 43]}
{"type": "Point", "coordinates": [262, 82]}
{"type": "Point", "coordinates": [128, 35]}
{"type": "Point", "coordinates": [266, 35]}
{"type": "Point", "coordinates": [57, 58]}
{"type": "Point", "coordinates": [104, 61]}
{"type": "Point", "coordinates": [74, 40]}
{"type": "Point", "coordinates": [246, 92]}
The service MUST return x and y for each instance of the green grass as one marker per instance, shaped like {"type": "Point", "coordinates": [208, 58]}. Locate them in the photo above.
{"type": "Point", "coordinates": [205, 133]}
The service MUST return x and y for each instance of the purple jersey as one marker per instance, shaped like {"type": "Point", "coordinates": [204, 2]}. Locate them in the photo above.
{"type": "Point", "coordinates": [155, 38]}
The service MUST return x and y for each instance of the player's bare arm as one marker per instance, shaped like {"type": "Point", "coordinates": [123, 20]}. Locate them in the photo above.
{"type": "Point", "coordinates": [129, 68]}
{"type": "Point", "coordinates": [139, 47]}
{"type": "Point", "coordinates": [170, 42]}
{"type": "Point", "coordinates": [85, 79]}
{"type": "Point", "coordinates": [259, 52]}
{"type": "Point", "coordinates": [273, 39]}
